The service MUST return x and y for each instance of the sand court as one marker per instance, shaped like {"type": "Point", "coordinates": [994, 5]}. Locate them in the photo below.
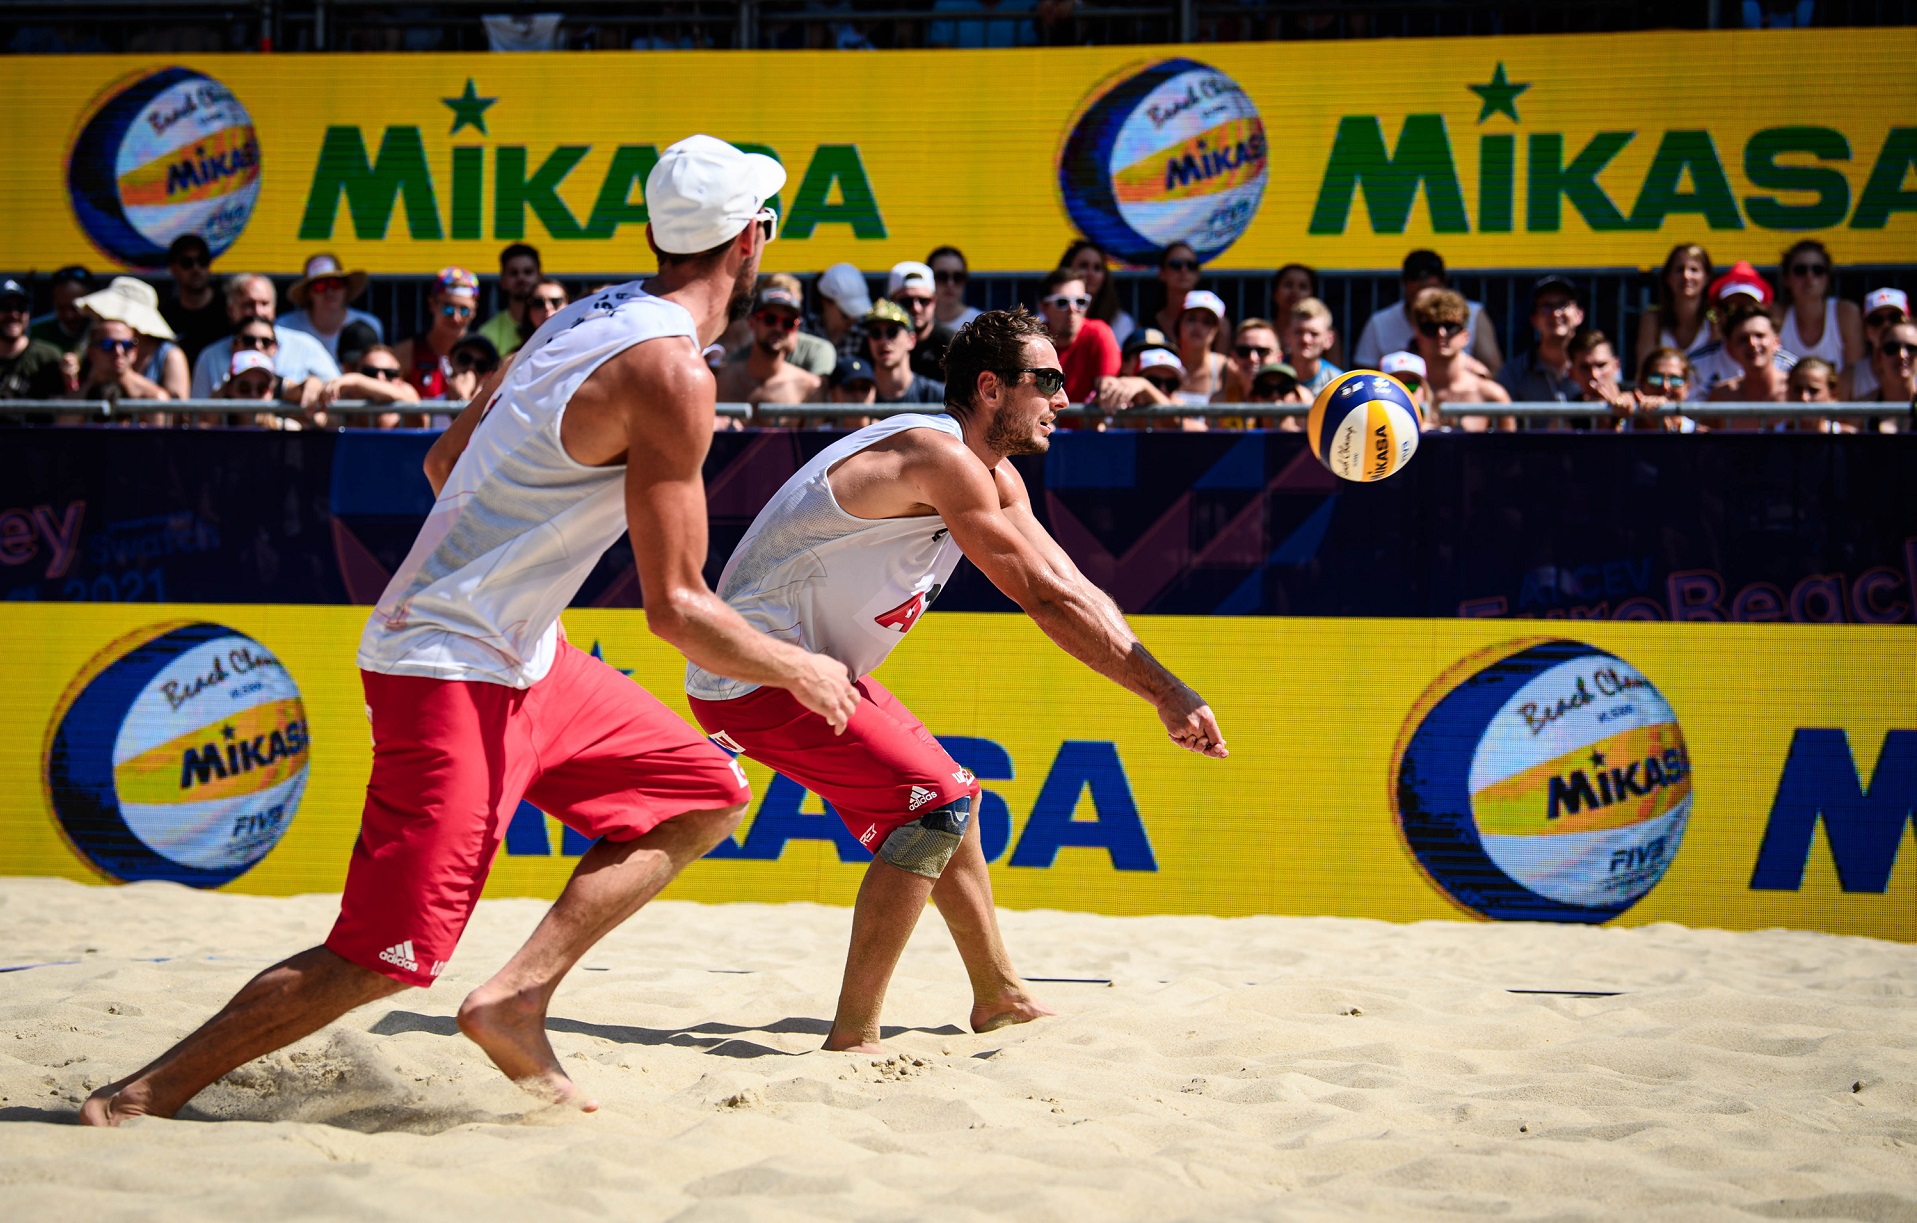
{"type": "Point", "coordinates": [1199, 1067]}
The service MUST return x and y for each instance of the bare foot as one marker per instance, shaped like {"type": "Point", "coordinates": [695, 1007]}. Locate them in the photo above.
{"type": "Point", "coordinates": [113, 1104]}
{"type": "Point", "coordinates": [511, 1028]}
{"type": "Point", "coordinates": [852, 1042]}
{"type": "Point", "coordinates": [1016, 1006]}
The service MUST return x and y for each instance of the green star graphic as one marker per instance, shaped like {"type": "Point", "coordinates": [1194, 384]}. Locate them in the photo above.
{"type": "Point", "coordinates": [469, 107]}
{"type": "Point", "coordinates": [1499, 95]}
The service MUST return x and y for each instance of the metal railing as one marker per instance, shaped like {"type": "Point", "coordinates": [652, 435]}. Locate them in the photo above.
{"type": "Point", "coordinates": [198, 26]}
{"type": "Point", "coordinates": [111, 410]}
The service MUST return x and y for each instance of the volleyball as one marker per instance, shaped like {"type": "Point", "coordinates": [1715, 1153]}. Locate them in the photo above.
{"type": "Point", "coordinates": [1172, 153]}
{"type": "Point", "coordinates": [1363, 426]}
{"type": "Point", "coordinates": [1542, 780]}
{"type": "Point", "coordinates": [171, 153]}
{"type": "Point", "coordinates": [179, 752]}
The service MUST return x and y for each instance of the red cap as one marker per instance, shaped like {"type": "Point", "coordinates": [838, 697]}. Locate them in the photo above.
{"type": "Point", "coordinates": [1742, 280]}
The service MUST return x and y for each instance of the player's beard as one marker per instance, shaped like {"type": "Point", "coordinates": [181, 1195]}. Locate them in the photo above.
{"type": "Point", "coordinates": [1005, 437]}
{"type": "Point", "coordinates": [741, 300]}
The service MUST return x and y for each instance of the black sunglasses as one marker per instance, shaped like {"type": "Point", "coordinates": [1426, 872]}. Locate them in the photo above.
{"type": "Point", "coordinates": [884, 331]}
{"type": "Point", "coordinates": [474, 362]}
{"type": "Point", "coordinates": [1810, 269]}
{"type": "Point", "coordinates": [1182, 265]}
{"type": "Point", "coordinates": [1167, 386]}
{"type": "Point", "coordinates": [1048, 381]}
{"type": "Point", "coordinates": [949, 278]}
{"type": "Point", "coordinates": [1439, 329]}
{"type": "Point", "coordinates": [194, 261]}
{"type": "Point", "coordinates": [1249, 351]}
{"type": "Point", "coordinates": [1899, 348]}
{"type": "Point", "coordinates": [381, 372]}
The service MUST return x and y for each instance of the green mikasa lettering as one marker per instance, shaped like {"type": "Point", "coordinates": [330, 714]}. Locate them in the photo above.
{"type": "Point", "coordinates": [1558, 171]}
{"type": "Point", "coordinates": [401, 176]}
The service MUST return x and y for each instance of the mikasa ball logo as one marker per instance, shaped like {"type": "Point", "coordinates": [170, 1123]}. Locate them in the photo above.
{"type": "Point", "coordinates": [179, 752]}
{"type": "Point", "coordinates": [1543, 780]}
{"type": "Point", "coordinates": [168, 153]}
{"type": "Point", "coordinates": [1174, 152]}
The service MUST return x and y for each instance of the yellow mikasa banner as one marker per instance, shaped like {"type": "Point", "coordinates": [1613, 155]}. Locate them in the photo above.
{"type": "Point", "coordinates": [1557, 152]}
{"type": "Point", "coordinates": [1718, 775]}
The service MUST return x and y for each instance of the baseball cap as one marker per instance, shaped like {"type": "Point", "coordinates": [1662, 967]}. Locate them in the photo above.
{"type": "Point", "coordinates": [1146, 337]}
{"type": "Point", "coordinates": [72, 274]}
{"type": "Point", "coordinates": [247, 359]}
{"type": "Point", "coordinates": [851, 369]}
{"type": "Point", "coordinates": [13, 288]}
{"type": "Point", "coordinates": [1742, 278]}
{"type": "Point", "coordinates": [1543, 285]}
{"type": "Point", "coordinates": [886, 310]}
{"type": "Point", "coordinates": [777, 298]}
{"type": "Point", "coordinates": [1159, 358]}
{"type": "Point", "coordinates": [1205, 299]}
{"type": "Point", "coordinates": [704, 191]}
{"type": "Point", "coordinates": [909, 275]}
{"type": "Point", "coordinates": [1875, 300]}
{"type": "Point", "coordinates": [456, 279]}
{"type": "Point", "coordinates": [1403, 363]}
{"type": "Point", "coordinates": [844, 285]}
{"type": "Point", "coordinates": [1272, 369]}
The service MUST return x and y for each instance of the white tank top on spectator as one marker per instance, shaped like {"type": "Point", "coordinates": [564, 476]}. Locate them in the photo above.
{"type": "Point", "coordinates": [520, 523]}
{"type": "Point", "coordinates": [1829, 346]}
{"type": "Point", "coordinates": [1699, 342]}
{"type": "Point", "coordinates": [809, 573]}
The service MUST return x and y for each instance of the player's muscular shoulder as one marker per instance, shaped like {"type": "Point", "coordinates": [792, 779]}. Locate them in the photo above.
{"type": "Point", "coordinates": [653, 388]}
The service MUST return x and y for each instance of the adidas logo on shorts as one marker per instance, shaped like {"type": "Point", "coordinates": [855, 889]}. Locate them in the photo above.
{"type": "Point", "coordinates": [920, 797]}
{"type": "Point", "coordinates": [400, 955]}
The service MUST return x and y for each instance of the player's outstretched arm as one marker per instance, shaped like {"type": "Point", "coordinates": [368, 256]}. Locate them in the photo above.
{"type": "Point", "coordinates": [990, 517]}
{"type": "Point", "coordinates": [668, 412]}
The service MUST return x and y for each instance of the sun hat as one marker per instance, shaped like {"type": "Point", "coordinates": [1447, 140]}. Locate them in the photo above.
{"type": "Point", "coordinates": [129, 301]}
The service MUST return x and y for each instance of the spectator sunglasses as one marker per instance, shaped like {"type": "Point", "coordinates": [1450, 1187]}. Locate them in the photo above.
{"type": "Point", "coordinates": [1254, 352]}
{"type": "Point", "coordinates": [456, 310]}
{"type": "Point", "coordinates": [194, 261]}
{"type": "Point", "coordinates": [945, 276]}
{"type": "Point", "coordinates": [776, 320]}
{"type": "Point", "coordinates": [1069, 301]}
{"type": "Point", "coordinates": [1166, 385]}
{"type": "Point", "coordinates": [1182, 265]}
{"type": "Point", "coordinates": [466, 359]}
{"type": "Point", "coordinates": [242, 341]}
{"type": "Point", "coordinates": [1810, 269]}
{"type": "Point", "coordinates": [116, 346]}
{"type": "Point", "coordinates": [1440, 329]}
{"type": "Point", "coordinates": [385, 373]}
{"type": "Point", "coordinates": [1048, 381]}
{"type": "Point", "coordinates": [1276, 385]}
{"type": "Point", "coordinates": [551, 301]}
{"type": "Point", "coordinates": [1899, 349]}
{"type": "Point", "coordinates": [885, 331]}
{"type": "Point", "coordinates": [1665, 382]}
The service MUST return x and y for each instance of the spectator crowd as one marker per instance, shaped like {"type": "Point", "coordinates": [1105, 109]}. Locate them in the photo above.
{"type": "Point", "coordinates": [287, 357]}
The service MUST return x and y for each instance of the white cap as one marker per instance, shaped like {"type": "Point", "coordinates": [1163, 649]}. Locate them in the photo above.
{"type": "Point", "coordinates": [246, 359]}
{"type": "Point", "coordinates": [704, 192]}
{"type": "Point", "coordinates": [1205, 299]}
{"type": "Point", "coordinates": [844, 285]}
{"type": "Point", "coordinates": [1159, 358]}
{"type": "Point", "coordinates": [1877, 299]}
{"type": "Point", "coordinates": [1403, 363]}
{"type": "Point", "coordinates": [909, 274]}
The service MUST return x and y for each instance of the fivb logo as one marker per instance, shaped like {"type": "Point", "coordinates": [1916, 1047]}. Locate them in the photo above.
{"type": "Point", "coordinates": [1864, 824]}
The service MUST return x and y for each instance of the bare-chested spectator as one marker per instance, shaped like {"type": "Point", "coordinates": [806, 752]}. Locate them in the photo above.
{"type": "Point", "coordinates": [1895, 361]}
{"type": "Point", "coordinates": [1751, 340]}
{"type": "Point", "coordinates": [766, 375]}
{"type": "Point", "coordinates": [811, 353]}
{"type": "Point", "coordinates": [1440, 321]}
{"type": "Point", "coordinates": [110, 371]}
{"type": "Point", "coordinates": [1814, 380]}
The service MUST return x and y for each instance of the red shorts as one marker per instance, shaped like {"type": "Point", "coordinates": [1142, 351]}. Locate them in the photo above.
{"type": "Point", "coordinates": [452, 759]}
{"type": "Point", "coordinates": [886, 770]}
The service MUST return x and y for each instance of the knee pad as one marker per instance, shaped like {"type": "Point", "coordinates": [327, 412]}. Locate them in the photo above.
{"type": "Point", "coordinates": [925, 845]}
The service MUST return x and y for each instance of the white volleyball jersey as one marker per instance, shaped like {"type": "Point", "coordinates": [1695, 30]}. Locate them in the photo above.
{"type": "Point", "coordinates": [519, 524]}
{"type": "Point", "coordinates": [809, 573]}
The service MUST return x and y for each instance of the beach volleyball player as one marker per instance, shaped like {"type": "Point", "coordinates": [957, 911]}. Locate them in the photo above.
{"type": "Point", "coordinates": [603, 417]}
{"type": "Point", "coordinates": [844, 560]}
